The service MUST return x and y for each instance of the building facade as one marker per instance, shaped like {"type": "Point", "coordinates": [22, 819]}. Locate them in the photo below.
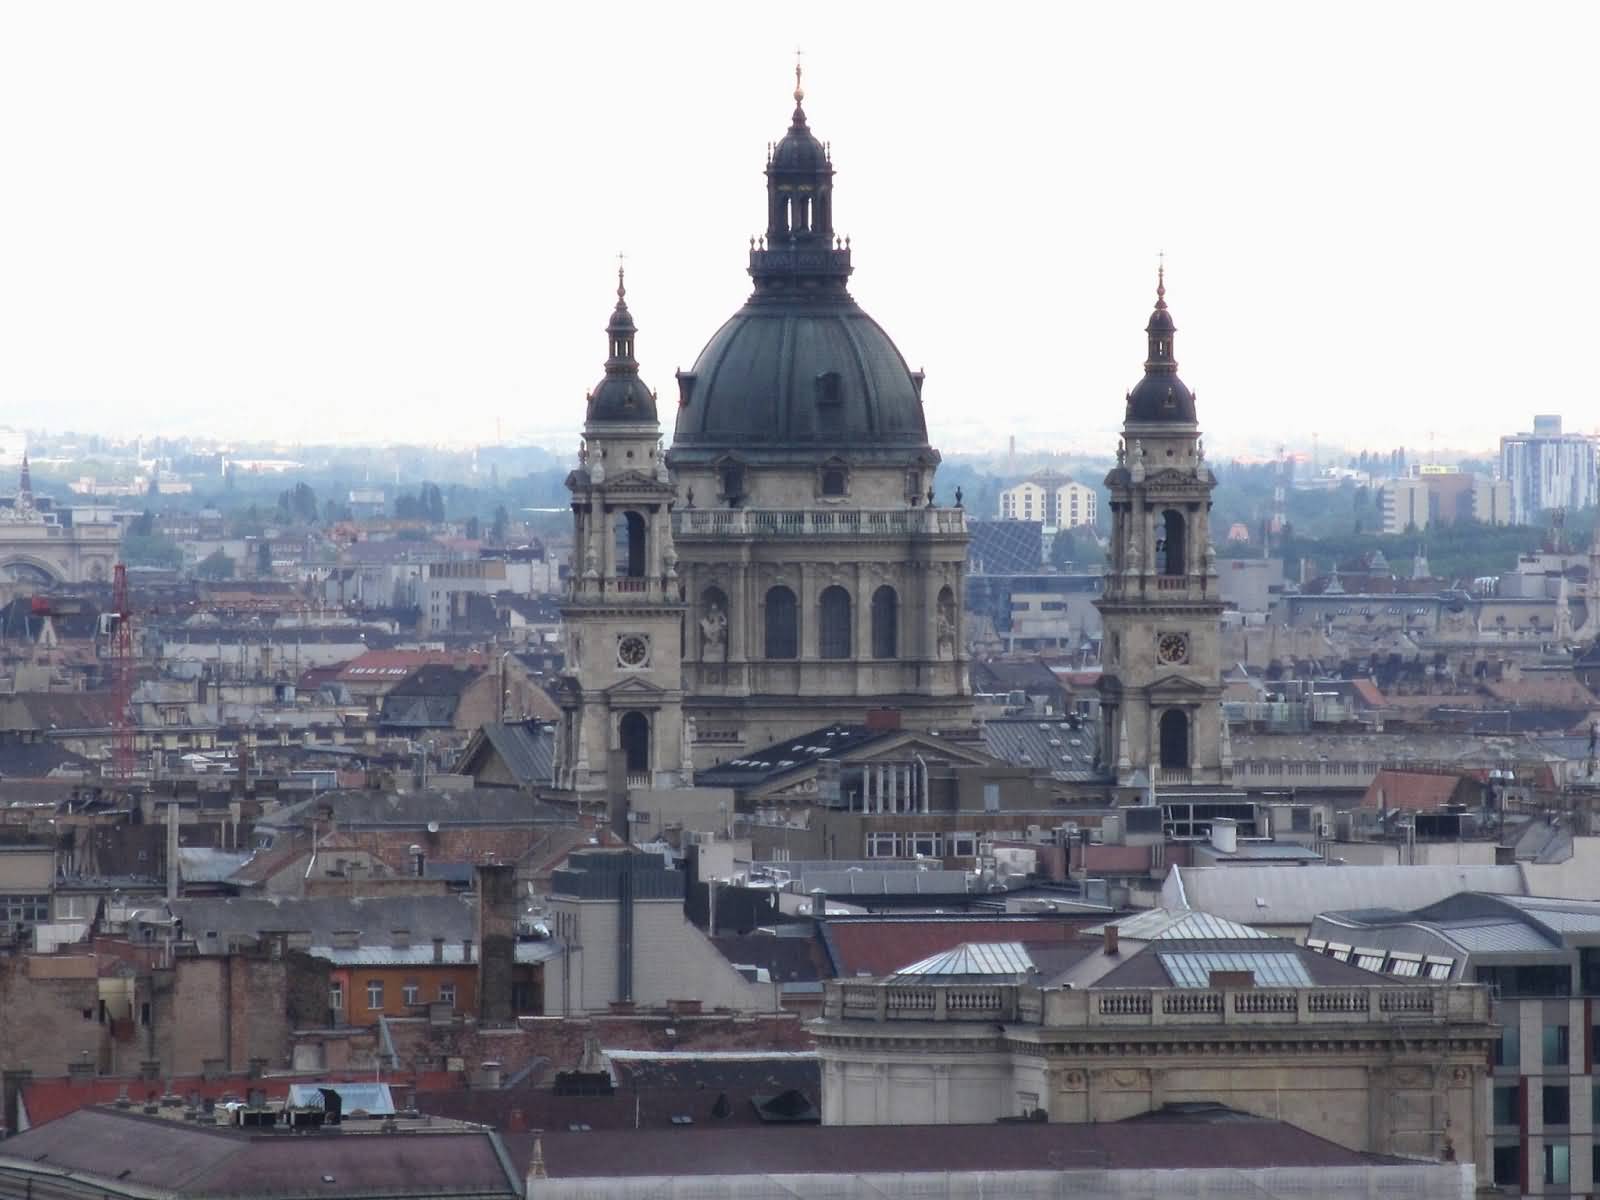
{"type": "Point", "coordinates": [819, 575]}
{"type": "Point", "coordinates": [38, 549]}
{"type": "Point", "coordinates": [1045, 497]}
{"type": "Point", "coordinates": [1547, 469]}
{"type": "Point", "coordinates": [1385, 1068]}
{"type": "Point", "coordinates": [1542, 958]}
{"type": "Point", "coordinates": [1161, 611]}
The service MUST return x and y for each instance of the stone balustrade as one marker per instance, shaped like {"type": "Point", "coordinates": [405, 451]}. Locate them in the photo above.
{"type": "Point", "coordinates": [816, 523]}
{"type": "Point", "coordinates": [1119, 1007]}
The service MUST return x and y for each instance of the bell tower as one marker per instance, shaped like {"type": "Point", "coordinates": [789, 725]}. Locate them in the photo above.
{"type": "Point", "coordinates": [1161, 683]}
{"type": "Point", "coordinates": [621, 697]}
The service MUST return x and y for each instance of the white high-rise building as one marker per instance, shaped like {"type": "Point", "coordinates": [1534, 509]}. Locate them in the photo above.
{"type": "Point", "coordinates": [1549, 469]}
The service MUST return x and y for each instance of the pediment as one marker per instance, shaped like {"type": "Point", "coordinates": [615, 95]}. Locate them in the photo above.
{"type": "Point", "coordinates": [635, 685]}
{"type": "Point", "coordinates": [1178, 684]}
{"type": "Point", "coordinates": [1171, 477]}
{"type": "Point", "coordinates": [636, 479]}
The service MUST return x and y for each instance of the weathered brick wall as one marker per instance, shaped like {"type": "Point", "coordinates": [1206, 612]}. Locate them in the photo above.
{"type": "Point", "coordinates": [43, 1025]}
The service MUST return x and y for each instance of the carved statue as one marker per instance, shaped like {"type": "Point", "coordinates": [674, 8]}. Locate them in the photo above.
{"type": "Point", "coordinates": [714, 633]}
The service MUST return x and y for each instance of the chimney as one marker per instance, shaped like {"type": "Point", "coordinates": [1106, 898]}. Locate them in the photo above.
{"type": "Point", "coordinates": [1112, 936]}
{"type": "Point", "coordinates": [819, 902]}
{"type": "Point", "coordinates": [172, 848]}
{"type": "Point", "coordinates": [1224, 835]}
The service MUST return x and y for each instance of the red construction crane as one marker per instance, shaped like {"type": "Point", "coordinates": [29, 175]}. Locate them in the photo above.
{"type": "Point", "coordinates": [122, 677]}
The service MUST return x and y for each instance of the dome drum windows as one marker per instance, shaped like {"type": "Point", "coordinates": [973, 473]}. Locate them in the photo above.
{"type": "Point", "coordinates": [730, 479]}
{"type": "Point", "coordinates": [833, 478]}
{"type": "Point", "coordinates": [885, 623]}
{"type": "Point", "coordinates": [833, 628]}
{"type": "Point", "coordinates": [782, 624]}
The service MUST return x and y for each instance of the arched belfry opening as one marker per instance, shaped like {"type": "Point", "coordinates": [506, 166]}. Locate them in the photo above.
{"type": "Point", "coordinates": [630, 545]}
{"type": "Point", "coordinates": [1172, 548]}
{"type": "Point", "coordinates": [634, 733]}
{"type": "Point", "coordinates": [1174, 732]}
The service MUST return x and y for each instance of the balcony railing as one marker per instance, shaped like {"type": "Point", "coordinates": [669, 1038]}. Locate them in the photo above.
{"type": "Point", "coordinates": [1115, 1007]}
{"type": "Point", "coordinates": [817, 522]}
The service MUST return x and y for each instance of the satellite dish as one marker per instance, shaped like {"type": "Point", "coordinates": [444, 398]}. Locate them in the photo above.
{"type": "Point", "coordinates": [433, 827]}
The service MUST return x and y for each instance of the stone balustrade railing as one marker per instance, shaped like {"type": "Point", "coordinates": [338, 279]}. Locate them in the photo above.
{"type": "Point", "coordinates": [816, 522]}
{"type": "Point", "coordinates": [1114, 1007]}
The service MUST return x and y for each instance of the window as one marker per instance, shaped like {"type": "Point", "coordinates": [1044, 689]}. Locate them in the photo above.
{"type": "Point", "coordinates": [1594, 1170]}
{"type": "Point", "coordinates": [336, 997]}
{"type": "Point", "coordinates": [411, 993]}
{"type": "Point", "coordinates": [1508, 1163]}
{"type": "Point", "coordinates": [731, 476]}
{"type": "Point", "coordinates": [881, 845]}
{"type": "Point", "coordinates": [1506, 1105]}
{"type": "Point", "coordinates": [834, 631]}
{"type": "Point", "coordinates": [1369, 960]}
{"type": "Point", "coordinates": [1557, 1162]}
{"type": "Point", "coordinates": [1508, 1050]}
{"type": "Point", "coordinates": [833, 481]}
{"type": "Point", "coordinates": [1409, 965]}
{"type": "Point", "coordinates": [447, 993]}
{"type": "Point", "coordinates": [1556, 1045]}
{"type": "Point", "coordinates": [1557, 1107]}
{"type": "Point", "coordinates": [885, 623]}
{"type": "Point", "coordinates": [925, 844]}
{"type": "Point", "coordinates": [965, 845]}
{"type": "Point", "coordinates": [783, 624]}
{"type": "Point", "coordinates": [374, 993]}
{"type": "Point", "coordinates": [991, 797]}
{"type": "Point", "coordinates": [1439, 968]}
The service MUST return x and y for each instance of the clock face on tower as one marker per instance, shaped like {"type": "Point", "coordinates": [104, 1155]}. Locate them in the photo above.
{"type": "Point", "coordinates": [1172, 648]}
{"type": "Point", "coordinates": [633, 650]}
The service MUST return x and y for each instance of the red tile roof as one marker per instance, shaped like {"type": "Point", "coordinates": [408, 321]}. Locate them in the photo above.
{"type": "Point", "coordinates": [882, 945]}
{"type": "Point", "coordinates": [1414, 791]}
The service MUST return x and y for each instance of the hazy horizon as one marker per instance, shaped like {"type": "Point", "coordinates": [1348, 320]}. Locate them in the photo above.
{"type": "Point", "coordinates": [398, 223]}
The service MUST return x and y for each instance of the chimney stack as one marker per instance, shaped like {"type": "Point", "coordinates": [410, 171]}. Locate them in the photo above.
{"type": "Point", "coordinates": [1112, 936]}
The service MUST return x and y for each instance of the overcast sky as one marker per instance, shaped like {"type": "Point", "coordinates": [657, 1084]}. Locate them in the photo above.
{"type": "Point", "coordinates": [393, 221]}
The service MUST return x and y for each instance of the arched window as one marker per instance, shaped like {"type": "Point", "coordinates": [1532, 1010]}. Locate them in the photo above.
{"type": "Point", "coordinates": [885, 623]}
{"type": "Point", "coordinates": [783, 623]}
{"type": "Point", "coordinates": [630, 545]}
{"type": "Point", "coordinates": [834, 629]}
{"type": "Point", "coordinates": [833, 481]}
{"type": "Point", "coordinates": [1174, 738]}
{"type": "Point", "coordinates": [948, 630]}
{"type": "Point", "coordinates": [1171, 550]}
{"type": "Point", "coordinates": [730, 476]}
{"type": "Point", "coordinates": [634, 733]}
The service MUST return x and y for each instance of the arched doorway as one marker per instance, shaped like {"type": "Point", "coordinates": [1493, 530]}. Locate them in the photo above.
{"type": "Point", "coordinates": [1175, 738]}
{"type": "Point", "coordinates": [634, 732]}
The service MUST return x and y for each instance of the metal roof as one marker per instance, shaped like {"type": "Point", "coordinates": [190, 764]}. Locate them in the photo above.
{"type": "Point", "coordinates": [1270, 970]}
{"type": "Point", "coordinates": [1494, 937]}
{"type": "Point", "coordinates": [1295, 895]}
{"type": "Point", "coordinates": [1179, 924]}
{"type": "Point", "coordinates": [975, 958]}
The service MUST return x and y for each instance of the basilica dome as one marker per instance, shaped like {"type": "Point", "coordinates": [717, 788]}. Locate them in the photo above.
{"type": "Point", "coordinates": [800, 369]}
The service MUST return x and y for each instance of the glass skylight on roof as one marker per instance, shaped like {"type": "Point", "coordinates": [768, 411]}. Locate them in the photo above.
{"type": "Point", "coordinates": [1270, 970]}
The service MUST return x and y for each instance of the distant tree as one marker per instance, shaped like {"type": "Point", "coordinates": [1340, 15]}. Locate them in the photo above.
{"type": "Point", "coordinates": [501, 520]}
{"type": "Point", "coordinates": [263, 557]}
{"type": "Point", "coordinates": [298, 503]}
{"type": "Point", "coordinates": [143, 526]}
{"type": "Point", "coordinates": [432, 502]}
{"type": "Point", "coordinates": [215, 565]}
